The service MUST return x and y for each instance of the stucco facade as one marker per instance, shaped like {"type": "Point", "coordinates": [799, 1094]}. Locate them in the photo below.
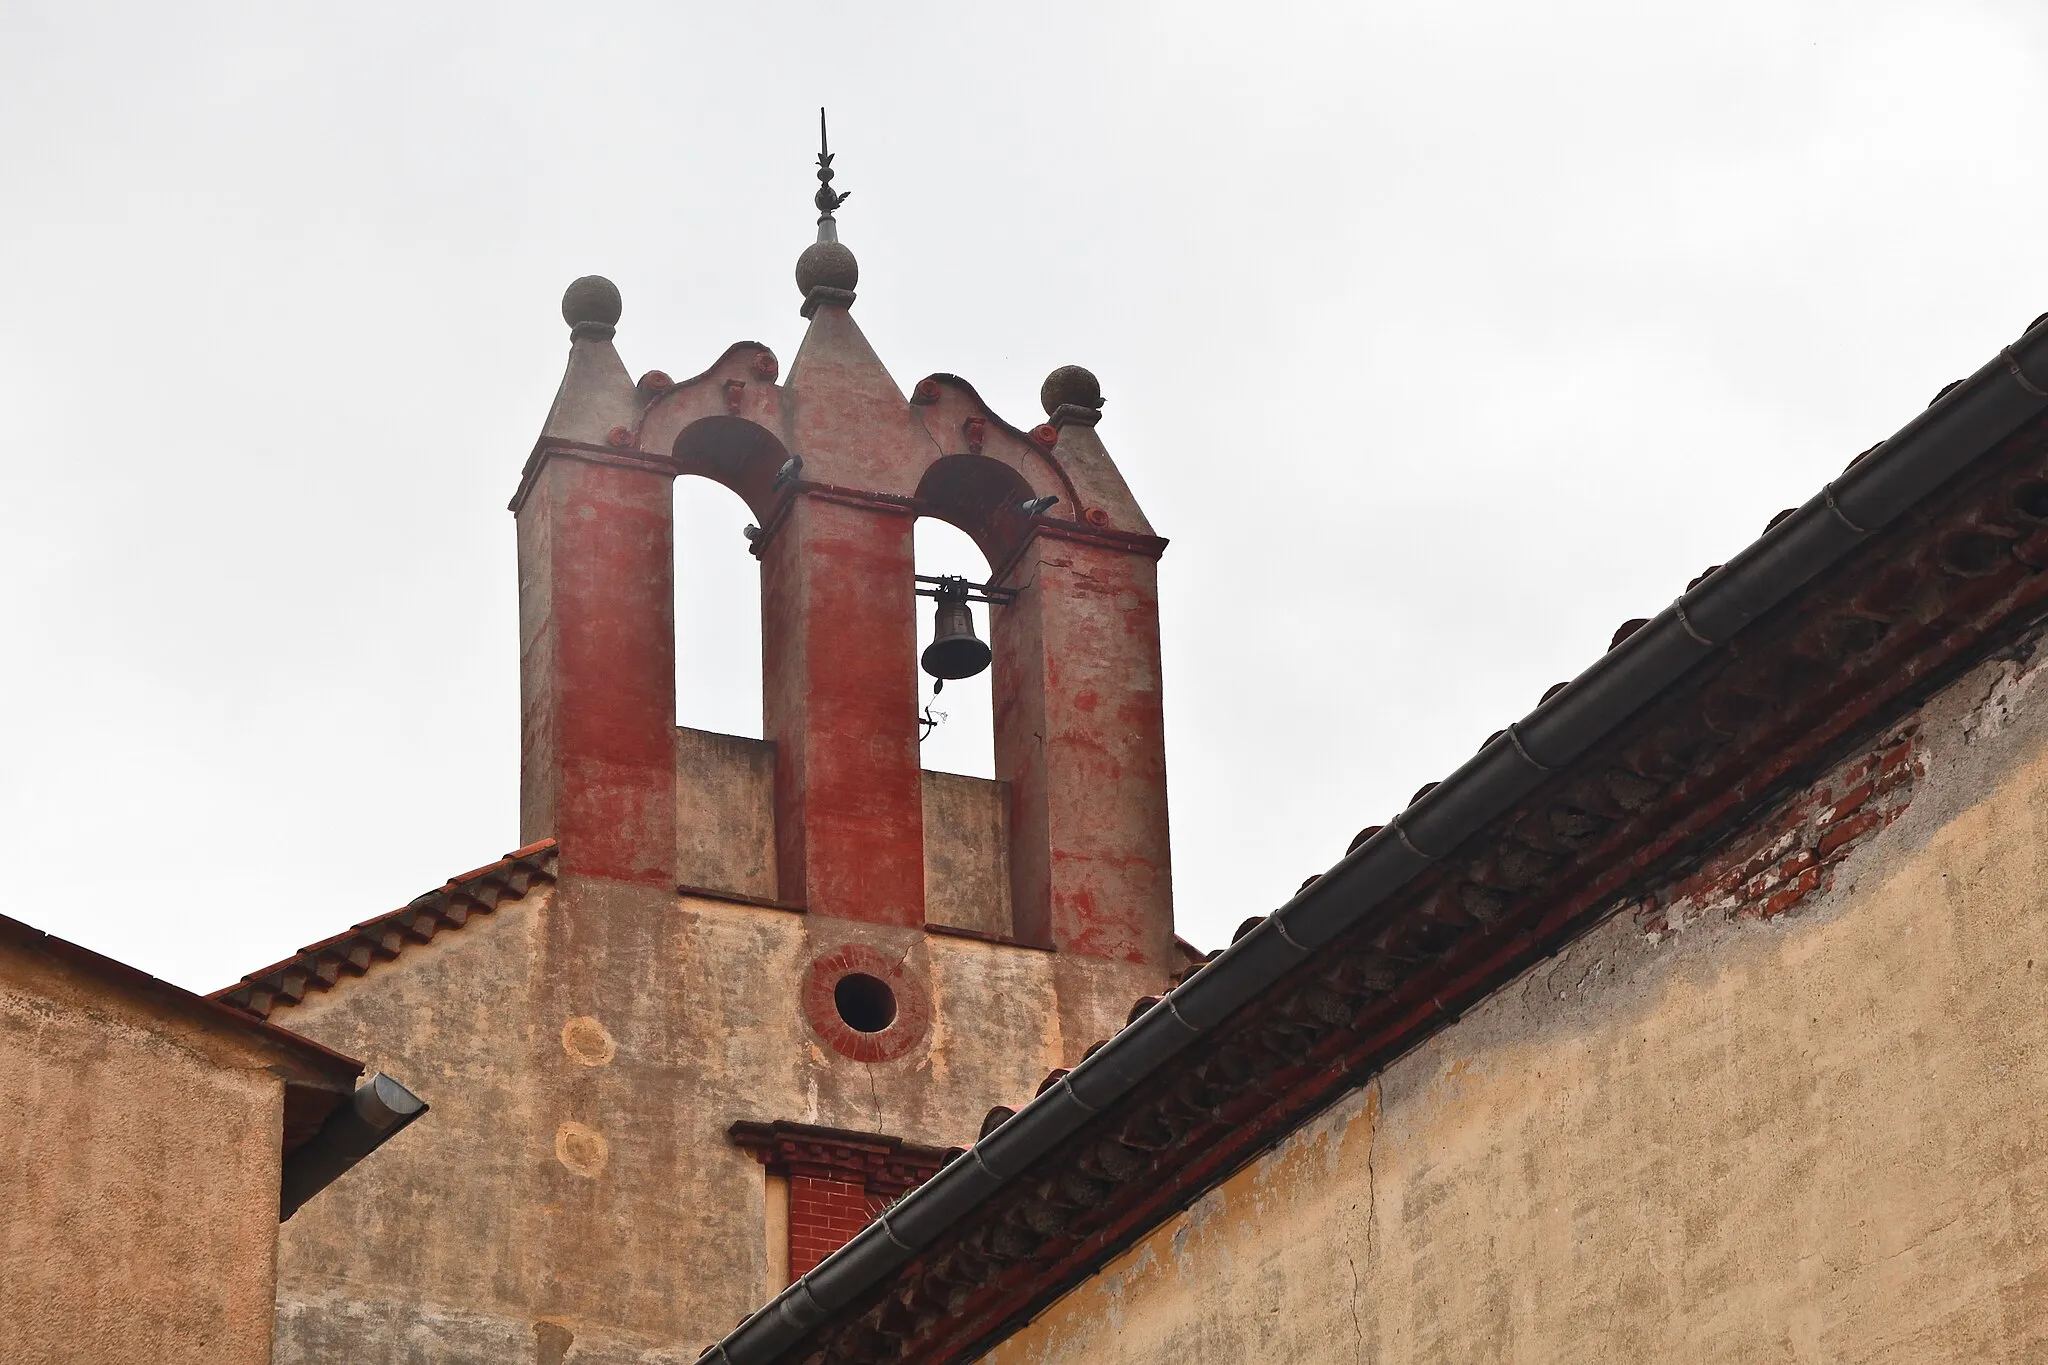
{"type": "Point", "coordinates": [1709, 1131]}
{"type": "Point", "coordinates": [615, 1119]}
{"type": "Point", "coordinates": [142, 1135]}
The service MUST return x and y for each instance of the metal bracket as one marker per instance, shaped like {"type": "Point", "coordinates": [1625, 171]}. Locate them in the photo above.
{"type": "Point", "coordinates": [946, 584]}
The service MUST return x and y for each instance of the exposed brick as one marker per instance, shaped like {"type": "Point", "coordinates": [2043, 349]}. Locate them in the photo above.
{"type": "Point", "coordinates": [1791, 853]}
{"type": "Point", "coordinates": [1849, 803]}
{"type": "Point", "coordinates": [1848, 831]}
{"type": "Point", "coordinates": [1804, 885]}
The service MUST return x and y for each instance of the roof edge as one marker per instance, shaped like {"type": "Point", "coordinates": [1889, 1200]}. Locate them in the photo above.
{"type": "Point", "coordinates": [1963, 424]}
{"type": "Point", "coordinates": [315, 1062]}
{"type": "Point", "coordinates": [319, 966]}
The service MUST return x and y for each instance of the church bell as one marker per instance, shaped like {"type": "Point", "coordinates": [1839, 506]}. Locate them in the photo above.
{"type": "Point", "coordinates": [955, 650]}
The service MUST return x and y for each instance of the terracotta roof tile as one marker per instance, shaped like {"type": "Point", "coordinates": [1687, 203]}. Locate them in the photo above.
{"type": "Point", "coordinates": [319, 965]}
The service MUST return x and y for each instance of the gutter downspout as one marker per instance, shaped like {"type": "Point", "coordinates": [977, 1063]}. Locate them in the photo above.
{"type": "Point", "coordinates": [373, 1116]}
{"type": "Point", "coordinates": [1954, 432]}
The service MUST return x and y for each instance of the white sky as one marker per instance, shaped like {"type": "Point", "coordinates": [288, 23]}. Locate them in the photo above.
{"type": "Point", "coordinates": [1439, 339]}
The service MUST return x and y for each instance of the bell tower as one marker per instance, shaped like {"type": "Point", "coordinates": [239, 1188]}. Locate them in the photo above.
{"type": "Point", "coordinates": [755, 988]}
{"type": "Point", "coordinates": [836, 465]}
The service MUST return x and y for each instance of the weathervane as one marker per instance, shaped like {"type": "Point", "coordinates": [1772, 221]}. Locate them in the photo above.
{"type": "Point", "coordinates": [828, 199]}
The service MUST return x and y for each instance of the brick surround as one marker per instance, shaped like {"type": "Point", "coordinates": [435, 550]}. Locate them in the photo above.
{"type": "Point", "coordinates": [838, 1180]}
{"type": "Point", "coordinates": [910, 1026]}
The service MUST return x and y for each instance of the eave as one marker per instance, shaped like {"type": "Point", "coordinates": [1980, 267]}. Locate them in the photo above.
{"type": "Point", "coordinates": [1925, 556]}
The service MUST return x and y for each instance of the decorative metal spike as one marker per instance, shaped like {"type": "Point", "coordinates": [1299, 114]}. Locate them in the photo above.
{"type": "Point", "coordinates": [828, 200]}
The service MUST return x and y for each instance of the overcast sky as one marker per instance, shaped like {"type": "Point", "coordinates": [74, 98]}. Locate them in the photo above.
{"type": "Point", "coordinates": [1439, 339]}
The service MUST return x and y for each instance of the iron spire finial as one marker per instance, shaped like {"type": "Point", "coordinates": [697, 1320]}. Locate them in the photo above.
{"type": "Point", "coordinates": [827, 199]}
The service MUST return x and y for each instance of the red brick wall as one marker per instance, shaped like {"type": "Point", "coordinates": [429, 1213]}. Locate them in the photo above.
{"type": "Point", "coordinates": [1792, 852]}
{"type": "Point", "coordinates": [824, 1213]}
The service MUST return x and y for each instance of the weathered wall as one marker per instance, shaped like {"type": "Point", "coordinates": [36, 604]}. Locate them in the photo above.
{"type": "Point", "coordinates": [725, 813]}
{"type": "Point", "coordinates": [575, 1196]}
{"type": "Point", "coordinates": [967, 853]}
{"type": "Point", "coordinates": [1797, 1114]}
{"type": "Point", "coordinates": [139, 1159]}
{"type": "Point", "coordinates": [725, 831]}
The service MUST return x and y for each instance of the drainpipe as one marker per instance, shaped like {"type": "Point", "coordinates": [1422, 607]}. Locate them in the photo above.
{"type": "Point", "coordinates": [371, 1118]}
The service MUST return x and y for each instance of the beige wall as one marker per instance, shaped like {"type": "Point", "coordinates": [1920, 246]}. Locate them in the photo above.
{"type": "Point", "coordinates": [725, 813]}
{"type": "Point", "coordinates": [967, 853]}
{"type": "Point", "coordinates": [1822, 1137]}
{"type": "Point", "coordinates": [139, 1159]}
{"type": "Point", "coordinates": [575, 1197]}
{"type": "Point", "coordinates": [725, 831]}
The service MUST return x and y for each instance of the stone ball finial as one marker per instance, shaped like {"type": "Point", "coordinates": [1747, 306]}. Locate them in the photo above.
{"type": "Point", "coordinates": [826, 265]}
{"type": "Point", "coordinates": [1069, 386]}
{"type": "Point", "coordinates": [592, 300]}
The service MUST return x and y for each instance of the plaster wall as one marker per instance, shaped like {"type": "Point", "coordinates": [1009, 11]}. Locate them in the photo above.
{"type": "Point", "coordinates": [1700, 1136]}
{"type": "Point", "coordinates": [575, 1197]}
{"type": "Point", "coordinates": [967, 853]}
{"type": "Point", "coordinates": [725, 831]}
{"type": "Point", "coordinates": [725, 813]}
{"type": "Point", "coordinates": [139, 1160]}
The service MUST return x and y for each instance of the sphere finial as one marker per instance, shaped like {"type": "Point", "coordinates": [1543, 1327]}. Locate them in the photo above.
{"type": "Point", "coordinates": [826, 265]}
{"type": "Point", "coordinates": [1070, 386]}
{"type": "Point", "coordinates": [591, 306]}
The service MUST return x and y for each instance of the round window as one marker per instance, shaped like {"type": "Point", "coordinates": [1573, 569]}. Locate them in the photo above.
{"type": "Point", "coordinates": [865, 1003]}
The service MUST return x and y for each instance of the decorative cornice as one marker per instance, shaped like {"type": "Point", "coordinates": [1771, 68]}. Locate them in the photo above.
{"type": "Point", "coordinates": [708, 893]}
{"type": "Point", "coordinates": [1079, 533]}
{"type": "Point", "coordinates": [983, 936]}
{"type": "Point", "coordinates": [885, 1165]}
{"type": "Point", "coordinates": [830, 492]}
{"type": "Point", "coordinates": [617, 457]}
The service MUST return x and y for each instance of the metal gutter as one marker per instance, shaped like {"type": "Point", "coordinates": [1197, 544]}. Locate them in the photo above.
{"type": "Point", "coordinates": [1955, 430]}
{"type": "Point", "coordinates": [376, 1113]}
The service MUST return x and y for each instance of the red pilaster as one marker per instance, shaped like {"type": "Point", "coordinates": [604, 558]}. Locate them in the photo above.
{"type": "Point", "coordinates": [597, 664]}
{"type": "Point", "coordinates": [839, 654]}
{"type": "Point", "coordinates": [1080, 738]}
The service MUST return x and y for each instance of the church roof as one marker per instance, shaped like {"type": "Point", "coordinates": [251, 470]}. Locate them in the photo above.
{"type": "Point", "coordinates": [318, 966]}
{"type": "Point", "coordinates": [1924, 556]}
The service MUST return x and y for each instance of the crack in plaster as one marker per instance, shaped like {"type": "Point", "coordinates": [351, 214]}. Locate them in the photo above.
{"type": "Point", "coordinates": [1372, 1213]}
{"type": "Point", "coordinates": [1357, 1329]}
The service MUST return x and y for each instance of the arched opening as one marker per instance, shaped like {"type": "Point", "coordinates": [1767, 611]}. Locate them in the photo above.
{"type": "Point", "coordinates": [725, 771]}
{"type": "Point", "coordinates": [963, 739]}
{"type": "Point", "coordinates": [718, 612]}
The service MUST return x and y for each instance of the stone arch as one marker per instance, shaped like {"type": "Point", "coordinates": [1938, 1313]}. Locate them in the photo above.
{"type": "Point", "coordinates": [980, 496]}
{"type": "Point", "coordinates": [741, 454]}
